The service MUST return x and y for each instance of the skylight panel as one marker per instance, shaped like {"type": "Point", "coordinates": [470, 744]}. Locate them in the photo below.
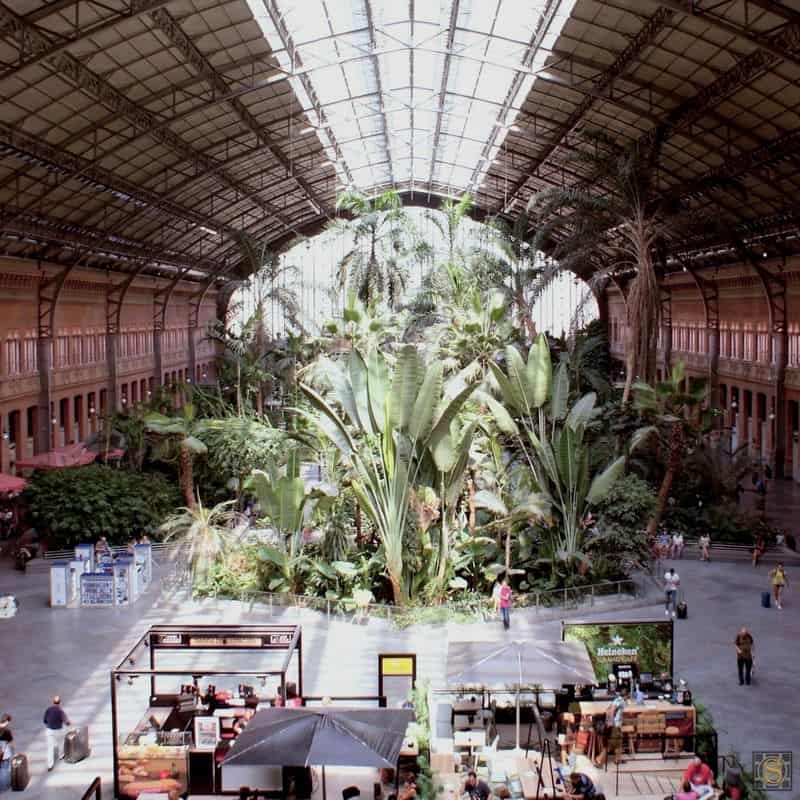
{"type": "Point", "coordinates": [388, 116]}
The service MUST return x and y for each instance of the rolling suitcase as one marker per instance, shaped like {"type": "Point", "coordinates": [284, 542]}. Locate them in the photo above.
{"type": "Point", "coordinates": [20, 774]}
{"type": "Point", "coordinates": [76, 745]}
{"type": "Point", "coordinates": [765, 600]}
{"type": "Point", "coordinates": [682, 610]}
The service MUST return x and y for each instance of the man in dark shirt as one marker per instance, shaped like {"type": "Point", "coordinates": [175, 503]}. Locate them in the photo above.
{"type": "Point", "coordinates": [55, 723]}
{"type": "Point", "coordinates": [581, 786]}
{"type": "Point", "coordinates": [744, 655]}
{"type": "Point", "coordinates": [475, 788]}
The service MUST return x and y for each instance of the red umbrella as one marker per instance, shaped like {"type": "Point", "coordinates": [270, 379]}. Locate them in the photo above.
{"type": "Point", "coordinates": [73, 455]}
{"type": "Point", "coordinates": [11, 484]}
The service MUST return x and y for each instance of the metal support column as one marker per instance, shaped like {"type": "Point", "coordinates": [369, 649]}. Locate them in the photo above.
{"type": "Point", "coordinates": [49, 290]}
{"type": "Point", "coordinates": [709, 294]}
{"type": "Point", "coordinates": [773, 282]}
{"type": "Point", "coordinates": [160, 302]}
{"type": "Point", "coordinates": [665, 299]}
{"type": "Point", "coordinates": [115, 297]}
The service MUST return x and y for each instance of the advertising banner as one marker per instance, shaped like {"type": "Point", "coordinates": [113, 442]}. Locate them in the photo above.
{"type": "Point", "coordinates": [645, 645]}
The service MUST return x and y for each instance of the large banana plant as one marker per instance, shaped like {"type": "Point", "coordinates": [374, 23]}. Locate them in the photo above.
{"type": "Point", "coordinates": [391, 424]}
{"type": "Point", "coordinates": [535, 410]}
{"type": "Point", "coordinates": [284, 497]}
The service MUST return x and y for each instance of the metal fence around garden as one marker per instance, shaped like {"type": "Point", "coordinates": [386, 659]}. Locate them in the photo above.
{"type": "Point", "coordinates": [555, 603]}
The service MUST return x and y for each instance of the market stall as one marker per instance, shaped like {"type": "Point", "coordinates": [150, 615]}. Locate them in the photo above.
{"type": "Point", "coordinates": [183, 695]}
{"type": "Point", "coordinates": [516, 665]}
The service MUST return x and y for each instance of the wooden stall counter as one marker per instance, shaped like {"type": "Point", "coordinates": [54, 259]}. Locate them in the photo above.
{"type": "Point", "coordinates": [650, 726]}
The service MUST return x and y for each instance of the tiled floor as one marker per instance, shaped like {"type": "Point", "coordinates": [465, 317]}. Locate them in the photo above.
{"type": "Point", "coordinates": [44, 651]}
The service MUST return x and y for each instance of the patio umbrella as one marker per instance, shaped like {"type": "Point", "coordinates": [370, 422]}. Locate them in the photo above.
{"type": "Point", "coordinates": [518, 664]}
{"type": "Point", "coordinates": [301, 737]}
{"type": "Point", "coordinates": [11, 484]}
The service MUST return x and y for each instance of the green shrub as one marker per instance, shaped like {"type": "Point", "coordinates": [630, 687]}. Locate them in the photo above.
{"type": "Point", "coordinates": [79, 504]}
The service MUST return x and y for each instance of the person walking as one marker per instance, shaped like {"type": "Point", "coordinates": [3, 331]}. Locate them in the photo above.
{"type": "Point", "coordinates": [496, 589]}
{"type": "Point", "coordinates": [677, 545]}
{"type": "Point", "coordinates": [744, 655]}
{"type": "Point", "coordinates": [705, 546]}
{"type": "Point", "coordinates": [505, 603]}
{"type": "Point", "coordinates": [758, 549]}
{"type": "Point", "coordinates": [778, 578]}
{"type": "Point", "coordinates": [671, 583]}
{"type": "Point", "coordinates": [55, 724]}
{"type": "Point", "coordinates": [6, 751]}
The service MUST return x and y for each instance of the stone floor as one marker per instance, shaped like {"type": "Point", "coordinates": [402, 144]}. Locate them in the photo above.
{"type": "Point", "coordinates": [70, 651]}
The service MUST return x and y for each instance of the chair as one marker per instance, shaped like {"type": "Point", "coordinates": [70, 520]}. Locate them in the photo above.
{"type": "Point", "coordinates": [350, 792]}
{"type": "Point", "coordinates": [673, 741]}
{"type": "Point", "coordinates": [628, 743]}
{"type": "Point", "coordinates": [484, 758]}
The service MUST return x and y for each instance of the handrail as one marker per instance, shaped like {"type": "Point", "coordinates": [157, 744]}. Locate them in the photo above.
{"type": "Point", "coordinates": [94, 791]}
{"type": "Point", "coordinates": [481, 605]}
{"type": "Point", "coordinates": [62, 555]}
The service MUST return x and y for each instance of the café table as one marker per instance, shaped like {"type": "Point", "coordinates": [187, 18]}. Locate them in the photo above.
{"type": "Point", "coordinates": [450, 783]}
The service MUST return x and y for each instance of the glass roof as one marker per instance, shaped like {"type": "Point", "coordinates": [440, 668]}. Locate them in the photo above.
{"type": "Point", "coordinates": [416, 94]}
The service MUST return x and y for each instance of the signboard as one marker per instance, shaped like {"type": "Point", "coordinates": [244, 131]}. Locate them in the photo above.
{"type": "Point", "coordinates": [225, 641]}
{"type": "Point", "coordinates": [206, 733]}
{"type": "Point", "coordinates": [647, 646]}
{"type": "Point", "coordinates": [273, 640]}
{"type": "Point", "coordinates": [397, 665]}
{"type": "Point", "coordinates": [97, 589]}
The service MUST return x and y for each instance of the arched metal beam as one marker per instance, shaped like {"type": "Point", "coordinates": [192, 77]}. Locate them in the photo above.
{"type": "Point", "coordinates": [160, 302]}
{"type": "Point", "coordinates": [48, 294]}
{"type": "Point", "coordinates": [115, 298]}
{"type": "Point", "coordinates": [195, 301]}
{"type": "Point", "coordinates": [709, 295]}
{"type": "Point", "coordinates": [773, 283]}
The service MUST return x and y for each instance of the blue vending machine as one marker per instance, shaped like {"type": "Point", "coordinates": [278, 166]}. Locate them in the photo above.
{"type": "Point", "coordinates": [59, 584]}
{"type": "Point", "coordinates": [85, 553]}
{"type": "Point", "coordinates": [143, 553]}
{"type": "Point", "coordinates": [124, 581]}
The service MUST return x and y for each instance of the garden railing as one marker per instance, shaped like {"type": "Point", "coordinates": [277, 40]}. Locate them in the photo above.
{"type": "Point", "coordinates": [465, 610]}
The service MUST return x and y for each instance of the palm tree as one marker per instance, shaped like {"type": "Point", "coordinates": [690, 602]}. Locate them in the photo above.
{"type": "Point", "coordinates": [454, 213]}
{"type": "Point", "coordinates": [250, 353]}
{"type": "Point", "coordinates": [665, 408]}
{"type": "Point", "coordinates": [516, 244]}
{"type": "Point", "coordinates": [629, 209]}
{"type": "Point", "coordinates": [179, 432]}
{"type": "Point", "coordinates": [382, 242]}
{"type": "Point", "coordinates": [203, 534]}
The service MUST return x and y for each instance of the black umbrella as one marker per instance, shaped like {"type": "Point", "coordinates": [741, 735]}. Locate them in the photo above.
{"type": "Point", "coordinates": [300, 737]}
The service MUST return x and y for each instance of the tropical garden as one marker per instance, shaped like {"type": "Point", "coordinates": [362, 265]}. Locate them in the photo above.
{"type": "Point", "coordinates": [427, 439]}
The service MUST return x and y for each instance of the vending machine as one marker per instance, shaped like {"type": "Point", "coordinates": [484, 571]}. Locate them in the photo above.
{"type": "Point", "coordinates": [97, 589]}
{"type": "Point", "coordinates": [143, 553]}
{"type": "Point", "coordinates": [59, 584]}
{"type": "Point", "coordinates": [124, 581]}
{"type": "Point", "coordinates": [85, 553]}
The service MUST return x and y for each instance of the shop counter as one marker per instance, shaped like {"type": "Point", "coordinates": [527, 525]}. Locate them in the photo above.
{"type": "Point", "coordinates": [654, 722]}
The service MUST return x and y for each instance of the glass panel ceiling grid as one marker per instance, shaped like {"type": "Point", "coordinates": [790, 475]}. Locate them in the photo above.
{"type": "Point", "coordinates": [411, 101]}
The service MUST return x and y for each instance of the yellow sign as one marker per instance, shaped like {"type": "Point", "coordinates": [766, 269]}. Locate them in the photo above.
{"type": "Point", "coordinates": [397, 665]}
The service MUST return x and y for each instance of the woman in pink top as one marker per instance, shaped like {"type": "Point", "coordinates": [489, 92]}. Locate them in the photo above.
{"type": "Point", "coordinates": [505, 603]}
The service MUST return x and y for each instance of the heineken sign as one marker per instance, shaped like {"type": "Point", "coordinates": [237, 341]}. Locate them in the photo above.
{"type": "Point", "coordinates": [647, 645]}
